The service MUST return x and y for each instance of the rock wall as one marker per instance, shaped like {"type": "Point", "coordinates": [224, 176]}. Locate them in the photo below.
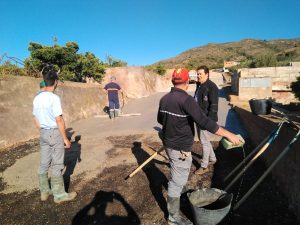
{"type": "Point", "coordinates": [137, 82]}
{"type": "Point", "coordinates": [79, 100]}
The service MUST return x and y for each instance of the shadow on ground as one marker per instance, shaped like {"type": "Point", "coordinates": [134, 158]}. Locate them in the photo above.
{"type": "Point", "coordinates": [109, 199]}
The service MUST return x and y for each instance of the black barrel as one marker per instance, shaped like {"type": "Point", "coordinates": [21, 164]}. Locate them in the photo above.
{"type": "Point", "coordinates": [260, 106]}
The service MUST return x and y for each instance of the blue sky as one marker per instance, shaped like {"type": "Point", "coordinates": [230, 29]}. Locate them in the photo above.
{"type": "Point", "coordinates": [142, 32]}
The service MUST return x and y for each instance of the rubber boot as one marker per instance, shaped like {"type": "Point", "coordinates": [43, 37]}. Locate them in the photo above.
{"type": "Point", "coordinates": [111, 114]}
{"type": "Point", "coordinates": [117, 112]}
{"type": "Point", "coordinates": [58, 189]}
{"type": "Point", "coordinates": [174, 212]}
{"type": "Point", "coordinates": [44, 186]}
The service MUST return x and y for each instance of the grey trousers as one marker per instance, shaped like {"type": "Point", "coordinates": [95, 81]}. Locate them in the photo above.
{"type": "Point", "coordinates": [180, 170]}
{"type": "Point", "coordinates": [208, 151]}
{"type": "Point", "coordinates": [52, 152]}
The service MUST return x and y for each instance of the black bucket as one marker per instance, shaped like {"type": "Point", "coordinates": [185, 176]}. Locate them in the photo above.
{"type": "Point", "coordinates": [260, 106]}
{"type": "Point", "coordinates": [210, 205]}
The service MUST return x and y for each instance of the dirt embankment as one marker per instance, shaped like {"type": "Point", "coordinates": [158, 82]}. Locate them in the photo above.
{"type": "Point", "coordinates": [79, 100]}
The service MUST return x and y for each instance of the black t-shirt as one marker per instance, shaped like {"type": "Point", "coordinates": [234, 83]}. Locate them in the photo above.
{"type": "Point", "coordinates": [112, 89]}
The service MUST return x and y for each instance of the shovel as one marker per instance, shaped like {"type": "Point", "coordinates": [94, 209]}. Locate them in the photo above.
{"type": "Point", "coordinates": [144, 163]}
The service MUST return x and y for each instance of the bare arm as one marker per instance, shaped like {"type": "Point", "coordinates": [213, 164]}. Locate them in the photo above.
{"type": "Point", "coordinates": [62, 129]}
{"type": "Point", "coordinates": [230, 136]}
{"type": "Point", "coordinates": [36, 121]}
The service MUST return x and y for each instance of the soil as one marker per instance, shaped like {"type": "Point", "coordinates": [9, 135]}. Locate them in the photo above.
{"type": "Point", "coordinates": [109, 199]}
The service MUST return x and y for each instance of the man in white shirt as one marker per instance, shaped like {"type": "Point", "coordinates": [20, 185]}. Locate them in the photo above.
{"type": "Point", "coordinates": [47, 113]}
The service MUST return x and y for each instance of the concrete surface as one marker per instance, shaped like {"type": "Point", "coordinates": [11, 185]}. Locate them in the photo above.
{"type": "Point", "coordinates": [22, 176]}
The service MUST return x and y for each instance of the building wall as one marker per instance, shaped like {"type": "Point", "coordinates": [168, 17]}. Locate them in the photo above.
{"type": "Point", "coordinates": [264, 82]}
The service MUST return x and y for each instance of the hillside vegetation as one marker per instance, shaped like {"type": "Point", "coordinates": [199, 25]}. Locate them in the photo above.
{"type": "Point", "coordinates": [249, 52]}
{"type": "Point", "coordinates": [73, 66]}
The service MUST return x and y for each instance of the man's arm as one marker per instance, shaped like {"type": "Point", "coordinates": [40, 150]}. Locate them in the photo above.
{"type": "Point", "coordinates": [230, 136]}
{"type": "Point", "coordinates": [36, 121]}
{"type": "Point", "coordinates": [194, 110]}
{"type": "Point", "coordinates": [62, 129]}
{"type": "Point", "coordinates": [160, 115]}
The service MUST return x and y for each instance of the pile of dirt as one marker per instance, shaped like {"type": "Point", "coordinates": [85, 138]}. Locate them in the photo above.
{"type": "Point", "coordinates": [109, 199]}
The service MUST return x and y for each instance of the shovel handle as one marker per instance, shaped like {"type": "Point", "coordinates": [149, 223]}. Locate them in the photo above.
{"type": "Point", "coordinates": [143, 164]}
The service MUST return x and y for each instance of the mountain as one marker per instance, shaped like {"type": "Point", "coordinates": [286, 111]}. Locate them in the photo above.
{"type": "Point", "coordinates": [244, 51]}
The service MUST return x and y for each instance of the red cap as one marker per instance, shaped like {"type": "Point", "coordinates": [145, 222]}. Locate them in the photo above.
{"type": "Point", "coordinates": [180, 75]}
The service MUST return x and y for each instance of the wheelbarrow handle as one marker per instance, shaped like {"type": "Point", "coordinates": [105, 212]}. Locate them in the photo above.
{"type": "Point", "coordinates": [258, 150]}
{"type": "Point", "coordinates": [287, 119]}
{"type": "Point", "coordinates": [286, 149]}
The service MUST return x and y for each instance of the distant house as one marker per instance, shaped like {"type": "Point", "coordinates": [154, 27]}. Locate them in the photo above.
{"type": "Point", "coordinates": [228, 64]}
{"type": "Point", "coordinates": [265, 82]}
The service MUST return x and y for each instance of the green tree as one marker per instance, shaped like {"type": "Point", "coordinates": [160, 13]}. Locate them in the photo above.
{"type": "Point", "coordinates": [295, 86]}
{"type": "Point", "coordinates": [91, 66]}
{"type": "Point", "coordinates": [160, 69]}
{"type": "Point", "coordinates": [191, 66]}
{"type": "Point", "coordinates": [112, 62]}
{"type": "Point", "coordinates": [72, 66]}
{"type": "Point", "coordinates": [267, 60]}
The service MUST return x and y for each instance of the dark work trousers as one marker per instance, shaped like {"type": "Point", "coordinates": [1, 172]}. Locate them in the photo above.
{"type": "Point", "coordinates": [114, 104]}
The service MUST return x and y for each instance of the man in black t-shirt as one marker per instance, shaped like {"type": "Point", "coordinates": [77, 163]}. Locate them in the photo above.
{"type": "Point", "coordinates": [112, 90]}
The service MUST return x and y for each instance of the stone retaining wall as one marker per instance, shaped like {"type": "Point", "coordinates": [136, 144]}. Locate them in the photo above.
{"type": "Point", "coordinates": [286, 172]}
{"type": "Point", "coordinates": [16, 95]}
{"type": "Point", "coordinates": [79, 100]}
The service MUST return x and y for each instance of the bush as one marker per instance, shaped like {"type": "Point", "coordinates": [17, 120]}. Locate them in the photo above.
{"type": "Point", "coordinates": [295, 86]}
{"type": "Point", "coordinates": [160, 69]}
{"type": "Point", "coordinates": [7, 69]}
{"type": "Point", "coordinates": [72, 66]}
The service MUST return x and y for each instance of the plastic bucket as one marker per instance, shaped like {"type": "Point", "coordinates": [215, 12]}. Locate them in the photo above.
{"type": "Point", "coordinates": [210, 205]}
{"type": "Point", "coordinates": [260, 106]}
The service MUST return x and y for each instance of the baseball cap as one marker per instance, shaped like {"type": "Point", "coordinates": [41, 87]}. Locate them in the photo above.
{"type": "Point", "coordinates": [180, 75]}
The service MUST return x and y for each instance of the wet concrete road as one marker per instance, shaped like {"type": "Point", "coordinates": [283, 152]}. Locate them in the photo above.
{"type": "Point", "coordinates": [94, 133]}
